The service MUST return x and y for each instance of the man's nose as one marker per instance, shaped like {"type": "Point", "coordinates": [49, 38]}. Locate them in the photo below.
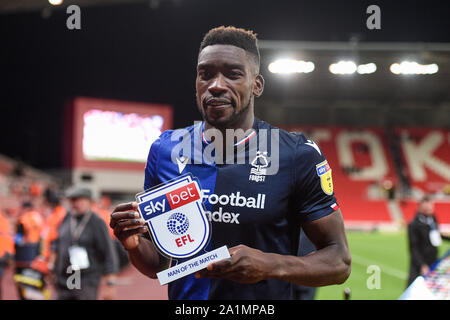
{"type": "Point", "coordinates": [217, 86]}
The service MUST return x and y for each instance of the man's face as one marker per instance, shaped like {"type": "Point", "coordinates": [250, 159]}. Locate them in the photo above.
{"type": "Point", "coordinates": [80, 205]}
{"type": "Point", "coordinates": [426, 208]}
{"type": "Point", "coordinates": [226, 82]}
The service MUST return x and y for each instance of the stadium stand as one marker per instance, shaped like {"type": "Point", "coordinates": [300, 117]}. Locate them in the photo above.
{"type": "Point", "coordinates": [426, 154]}
{"type": "Point", "coordinates": [377, 180]}
{"type": "Point", "coordinates": [361, 163]}
{"type": "Point", "coordinates": [19, 182]}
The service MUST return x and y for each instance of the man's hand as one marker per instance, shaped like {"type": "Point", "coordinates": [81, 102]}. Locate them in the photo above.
{"type": "Point", "coordinates": [330, 264]}
{"type": "Point", "coordinates": [127, 225]}
{"type": "Point", "coordinates": [245, 265]}
{"type": "Point", "coordinates": [51, 278]}
{"type": "Point", "coordinates": [109, 293]}
{"type": "Point", "coordinates": [424, 269]}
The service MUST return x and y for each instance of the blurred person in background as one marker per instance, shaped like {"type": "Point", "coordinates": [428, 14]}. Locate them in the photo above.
{"type": "Point", "coordinates": [44, 262]}
{"type": "Point", "coordinates": [84, 243]}
{"type": "Point", "coordinates": [35, 189]}
{"type": "Point", "coordinates": [30, 283]}
{"type": "Point", "coordinates": [424, 239]}
{"type": "Point", "coordinates": [103, 209]}
{"type": "Point", "coordinates": [6, 246]}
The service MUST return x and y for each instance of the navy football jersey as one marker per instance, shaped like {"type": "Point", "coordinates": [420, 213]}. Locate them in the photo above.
{"type": "Point", "coordinates": [248, 203]}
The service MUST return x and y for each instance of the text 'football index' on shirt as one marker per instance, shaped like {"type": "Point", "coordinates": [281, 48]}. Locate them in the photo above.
{"type": "Point", "coordinates": [178, 226]}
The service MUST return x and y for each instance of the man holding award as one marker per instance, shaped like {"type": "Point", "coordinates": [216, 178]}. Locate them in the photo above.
{"type": "Point", "coordinates": [225, 198]}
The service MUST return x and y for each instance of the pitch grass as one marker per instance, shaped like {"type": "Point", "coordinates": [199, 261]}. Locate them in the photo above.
{"type": "Point", "coordinates": [387, 250]}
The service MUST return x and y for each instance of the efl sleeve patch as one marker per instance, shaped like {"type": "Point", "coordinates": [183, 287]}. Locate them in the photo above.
{"type": "Point", "coordinates": [326, 181]}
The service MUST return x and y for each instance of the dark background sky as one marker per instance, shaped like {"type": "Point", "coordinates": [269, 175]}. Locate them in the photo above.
{"type": "Point", "coordinates": [134, 52]}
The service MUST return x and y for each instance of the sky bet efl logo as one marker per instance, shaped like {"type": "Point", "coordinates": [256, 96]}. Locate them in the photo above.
{"type": "Point", "coordinates": [175, 216]}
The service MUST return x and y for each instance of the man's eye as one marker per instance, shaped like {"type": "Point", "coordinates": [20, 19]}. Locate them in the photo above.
{"type": "Point", "coordinates": [204, 74]}
{"type": "Point", "coordinates": [234, 74]}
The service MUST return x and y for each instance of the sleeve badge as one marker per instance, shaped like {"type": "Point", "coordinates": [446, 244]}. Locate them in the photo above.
{"type": "Point", "coordinates": [324, 172]}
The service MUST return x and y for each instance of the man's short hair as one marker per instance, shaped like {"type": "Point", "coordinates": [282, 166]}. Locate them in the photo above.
{"type": "Point", "coordinates": [425, 198]}
{"type": "Point", "coordinates": [245, 39]}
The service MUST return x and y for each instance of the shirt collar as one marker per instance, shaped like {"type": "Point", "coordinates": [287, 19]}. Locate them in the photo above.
{"type": "Point", "coordinates": [244, 140]}
{"type": "Point", "coordinates": [425, 219]}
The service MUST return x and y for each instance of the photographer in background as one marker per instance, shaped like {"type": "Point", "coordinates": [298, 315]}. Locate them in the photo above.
{"type": "Point", "coordinates": [424, 239]}
{"type": "Point", "coordinates": [84, 243]}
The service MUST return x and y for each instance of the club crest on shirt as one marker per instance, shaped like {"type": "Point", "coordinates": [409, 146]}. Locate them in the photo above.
{"type": "Point", "coordinates": [324, 172]}
{"type": "Point", "coordinates": [259, 164]}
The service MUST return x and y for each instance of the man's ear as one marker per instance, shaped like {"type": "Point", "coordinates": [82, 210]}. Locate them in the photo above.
{"type": "Point", "coordinates": [258, 86]}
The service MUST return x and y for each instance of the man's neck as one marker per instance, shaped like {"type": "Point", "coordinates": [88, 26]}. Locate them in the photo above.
{"type": "Point", "coordinates": [79, 214]}
{"type": "Point", "coordinates": [244, 124]}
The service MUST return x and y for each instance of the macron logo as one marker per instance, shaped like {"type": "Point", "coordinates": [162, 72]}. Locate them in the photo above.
{"type": "Point", "coordinates": [314, 145]}
{"type": "Point", "coordinates": [182, 162]}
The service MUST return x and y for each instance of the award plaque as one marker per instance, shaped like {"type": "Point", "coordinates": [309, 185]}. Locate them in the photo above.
{"type": "Point", "coordinates": [178, 226]}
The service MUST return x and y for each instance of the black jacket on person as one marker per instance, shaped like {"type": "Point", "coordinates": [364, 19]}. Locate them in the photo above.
{"type": "Point", "coordinates": [99, 246]}
{"type": "Point", "coordinates": [422, 252]}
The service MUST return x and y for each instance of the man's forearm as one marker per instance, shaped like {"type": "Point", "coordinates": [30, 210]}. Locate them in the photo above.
{"type": "Point", "coordinates": [327, 266]}
{"type": "Point", "coordinates": [146, 258]}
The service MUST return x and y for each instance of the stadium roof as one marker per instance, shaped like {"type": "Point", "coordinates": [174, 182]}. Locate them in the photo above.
{"type": "Point", "coordinates": [326, 98]}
